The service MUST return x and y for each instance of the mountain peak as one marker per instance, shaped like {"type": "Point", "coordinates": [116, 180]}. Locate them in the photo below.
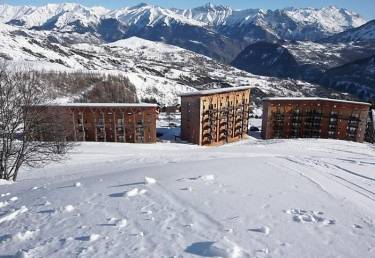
{"type": "Point", "coordinates": [211, 7]}
{"type": "Point", "coordinates": [288, 23]}
{"type": "Point", "coordinates": [140, 5]}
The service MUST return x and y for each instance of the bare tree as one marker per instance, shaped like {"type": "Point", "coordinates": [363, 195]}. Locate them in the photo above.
{"type": "Point", "coordinates": [29, 136]}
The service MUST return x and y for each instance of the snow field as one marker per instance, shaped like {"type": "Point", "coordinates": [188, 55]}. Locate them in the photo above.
{"type": "Point", "coordinates": [278, 198]}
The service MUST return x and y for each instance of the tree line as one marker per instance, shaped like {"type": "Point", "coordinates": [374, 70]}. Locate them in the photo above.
{"type": "Point", "coordinates": [32, 137]}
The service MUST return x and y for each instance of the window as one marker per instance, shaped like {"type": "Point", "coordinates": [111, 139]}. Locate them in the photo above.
{"type": "Point", "coordinates": [101, 120]}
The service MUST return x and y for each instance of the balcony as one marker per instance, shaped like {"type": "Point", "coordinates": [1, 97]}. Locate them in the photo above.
{"type": "Point", "coordinates": [332, 127]}
{"type": "Point", "coordinates": [296, 120]}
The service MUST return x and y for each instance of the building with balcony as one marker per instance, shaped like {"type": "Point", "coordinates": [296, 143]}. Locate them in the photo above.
{"type": "Point", "coordinates": [314, 118]}
{"type": "Point", "coordinates": [215, 117]}
{"type": "Point", "coordinates": [107, 122]}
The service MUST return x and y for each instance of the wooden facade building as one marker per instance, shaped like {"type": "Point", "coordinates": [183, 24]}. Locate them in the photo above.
{"type": "Point", "coordinates": [314, 118]}
{"type": "Point", "coordinates": [107, 122]}
{"type": "Point", "coordinates": [215, 117]}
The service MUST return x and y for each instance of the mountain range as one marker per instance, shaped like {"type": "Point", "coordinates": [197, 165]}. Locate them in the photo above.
{"type": "Point", "coordinates": [216, 31]}
{"type": "Point", "coordinates": [157, 70]}
{"type": "Point", "coordinates": [292, 44]}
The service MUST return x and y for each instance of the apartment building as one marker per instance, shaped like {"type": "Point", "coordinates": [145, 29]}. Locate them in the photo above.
{"type": "Point", "coordinates": [314, 118]}
{"type": "Point", "coordinates": [214, 117]}
{"type": "Point", "coordinates": [107, 122]}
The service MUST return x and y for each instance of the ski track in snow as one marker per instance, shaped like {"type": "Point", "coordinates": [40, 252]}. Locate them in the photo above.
{"type": "Point", "coordinates": [248, 199]}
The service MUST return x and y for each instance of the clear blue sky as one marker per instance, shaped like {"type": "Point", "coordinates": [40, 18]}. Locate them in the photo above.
{"type": "Point", "coordinates": [365, 7]}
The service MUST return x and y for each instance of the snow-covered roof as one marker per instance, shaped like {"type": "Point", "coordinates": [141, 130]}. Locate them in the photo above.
{"type": "Point", "coordinates": [103, 105]}
{"type": "Point", "coordinates": [215, 91]}
{"type": "Point", "coordinates": [314, 99]}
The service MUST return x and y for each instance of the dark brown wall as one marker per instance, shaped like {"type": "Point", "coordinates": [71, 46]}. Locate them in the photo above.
{"type": "Point", "coordinates": [315, 119]}
{"type": "Point", "coordinates": [190, 119]}
{"type": "Point", "coordinates": [370, 130]}
{"type": "Point", "coordinates": [109, 124]}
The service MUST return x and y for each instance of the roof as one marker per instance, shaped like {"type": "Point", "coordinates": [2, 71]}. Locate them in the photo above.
{"type": "Point", "coordinates": [315, 99]}
{"type": "Point", "coordinates": [102, 105]}
{"type": "Point", "coordinates": [214, 91]}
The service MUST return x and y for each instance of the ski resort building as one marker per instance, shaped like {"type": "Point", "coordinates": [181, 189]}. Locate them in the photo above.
{"type": "Point", "coordinates": [214, 117]}
{"type": "Point", "coordinates": [314, 118]}
{"type": "Point", "coordinates": [107, 122]}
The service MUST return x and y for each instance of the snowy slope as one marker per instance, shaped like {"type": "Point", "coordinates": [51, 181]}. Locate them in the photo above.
{"type": "Point", "coordinates": [157, 70]}
{"type": "Point", "coordinates": [364, 33]}
{"type": "Point", "coordinates": [313, 199]}
{"type": "Point", "coordinates": [303, 60]}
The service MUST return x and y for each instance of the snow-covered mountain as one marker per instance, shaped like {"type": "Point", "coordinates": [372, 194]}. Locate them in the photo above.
{"type": "Point", "coordinates": [290, 23]}
{"type": "Point", "coordinates": [216, 31]}
{"type": "Point", "coordinates": [330, 19]}
{"type": "Point", "coordinates": [148, 15]}
{"type": "Point", "coordinates": [211, 15]}
{"type": "Point", "coordinates": [75, 37]}
{"type": "Point", "coordinates": [300, 60]}
{"type": "Point", "coordinates": [343, 67]}
{"type": "Point", "coordinates": [65, 17]}
{"type": "Point", "coordinates": [364, 33]}
{"type": "Point", "coordinates": [156, 69]}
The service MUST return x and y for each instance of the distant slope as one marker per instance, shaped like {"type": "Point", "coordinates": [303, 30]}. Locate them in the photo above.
{"type": "Point", "coordinates": [300, 60]}
{"type": "Point", "coordinates": [269, 59]}
{"type": "Point", "coordinates": [357, 77]}
{"type": "Point", "coordinates": [364, 33]}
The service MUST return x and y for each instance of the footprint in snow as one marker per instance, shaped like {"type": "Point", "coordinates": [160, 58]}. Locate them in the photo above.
{"type": "Point", "coordinates": [89, 238]}
{"type": "Point", "coordinates": [13, 199]}
{"type": "Point", "coordinates": [5, 194]}
{"type": "Point", "coordinates": [149, 181]}
{"type": "Point", "coordinates": [135, 192]}
{"type": "Point", "coordinates": [263, 229]}
{"type": "Point", "coordinates": [189, 189]}
{"type": "Point", "coordinates": [204, 178]}
{"type": "Point", "coordinates": [3, 204]}
{"type": "Point", "coordinates": [69, 208]}
{"type": "Point", "coordinates": [221, 248]}
{"type": "Point", "coordinates": [306, 216]}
